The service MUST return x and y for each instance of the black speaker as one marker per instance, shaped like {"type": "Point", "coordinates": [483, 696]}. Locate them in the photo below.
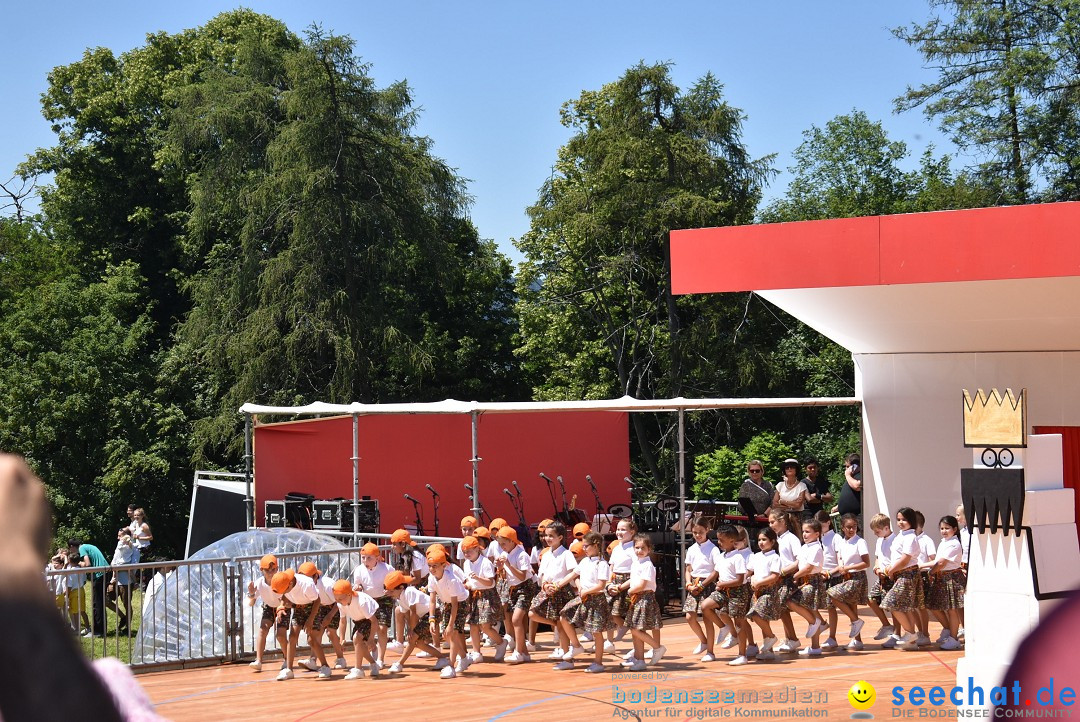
{"type": "Point", "coordinates": [275, 514]}
{"type": "Point", "coordinates": [298, 509]}
{"type": "Point", "coordinates": [369, 516]}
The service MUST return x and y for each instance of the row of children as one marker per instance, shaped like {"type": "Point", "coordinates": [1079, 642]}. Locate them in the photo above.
{"type": "Point", "coordinates": [495, 584]}
{"type": "Point", "coordinates": [825, 572]}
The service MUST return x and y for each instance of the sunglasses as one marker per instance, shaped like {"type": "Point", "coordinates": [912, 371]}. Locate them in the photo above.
{"type": "Point", "coordinates": [755, 471]}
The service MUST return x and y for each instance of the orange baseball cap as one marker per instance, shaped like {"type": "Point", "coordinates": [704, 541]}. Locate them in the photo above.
{"type": "Point", "coordinates": [614, 543]}
{"type": "Point", "coordinates": [308, 569]}
{"type": "Point", "coordinates": [497, 523]}
{"type": "Point", "coordinates": [436, 547]}
{"type": "Point", "coordinates": [344, 587]}
{"type": "Point", "coordinates": [371, 550]}
{"type": "Point", "coordinates": [482, 532]}
{"type": "Point", "coordinates": [577, 548]}
{"type": "Point", "coordinates": [269, 560]}
{"type": "Point", "coordinates": [469, 521]}
{"type": "Point", "coordinates": [581, 529]}
{"type": "Point", "coordinates": [401, 535]}
{"type": "Point", "coordinates": [282, 581]}
{"type": "Point", "coordinates": [396, 579]}
{"type": "Point", "coordinates": [435, 556]}
{"type": "Point", "coordinates": [470, 542]}
{"type": "Point", "coordinates": [507, 532]}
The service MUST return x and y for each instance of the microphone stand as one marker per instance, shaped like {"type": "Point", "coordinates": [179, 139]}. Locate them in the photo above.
{"type": "Point", "coordinates": [551, 492]}
{"type": "Point", "coordinates": [435, 503]}
{"type": "Point", "coordinates": [521, 502]}
{"type": "Point", "coordinates": [480, 511]}
{"type": "Point", "coordinates": [417, 509]}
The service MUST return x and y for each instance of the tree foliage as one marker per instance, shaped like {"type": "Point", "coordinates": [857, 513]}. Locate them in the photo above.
{"type": "Point", "coordinates": [719, 474]}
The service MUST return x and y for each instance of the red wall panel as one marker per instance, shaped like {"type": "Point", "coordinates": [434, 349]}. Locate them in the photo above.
{"type": "Point", "coordinates": [400, 454]}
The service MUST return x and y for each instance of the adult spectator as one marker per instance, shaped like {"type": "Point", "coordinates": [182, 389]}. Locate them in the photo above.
{"type": "Point", "coordinates": [140, 533]}
{"type": "Point", "coordinates": [90, 556]}
{"type": "Point", "coordinates": [851, 492]}
{"type": "Point", "coordinates": [757, 489]}
{"type": "Point", "coordinates": [818, 486]}
{"type": "Point", "coordinates": [791, 493]}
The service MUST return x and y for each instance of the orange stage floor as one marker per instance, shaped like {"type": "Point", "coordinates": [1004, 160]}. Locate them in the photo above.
{"type": "Point", "coordinates": [789, 688]}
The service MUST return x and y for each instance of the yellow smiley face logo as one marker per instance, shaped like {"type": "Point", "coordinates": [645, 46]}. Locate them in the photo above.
{"type": "Point", "coordinates": [862, 695]}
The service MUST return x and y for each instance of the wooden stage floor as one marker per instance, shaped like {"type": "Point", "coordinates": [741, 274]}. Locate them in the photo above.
{"type": "Point", "coordinates": [800, 688]}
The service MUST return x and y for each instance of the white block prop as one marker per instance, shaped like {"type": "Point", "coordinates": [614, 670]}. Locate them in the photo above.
{"type": "Point", "coordinates": [1014, 581]}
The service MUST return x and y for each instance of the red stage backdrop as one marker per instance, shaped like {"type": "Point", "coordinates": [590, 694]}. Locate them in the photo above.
{"type": "Point", "coordinates": [399, 454]}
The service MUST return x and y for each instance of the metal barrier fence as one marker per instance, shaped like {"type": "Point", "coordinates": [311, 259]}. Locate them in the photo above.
{"type": "Point", "coordinates": [179, 612]}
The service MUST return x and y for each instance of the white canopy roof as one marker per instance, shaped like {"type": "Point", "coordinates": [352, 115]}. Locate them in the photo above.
{"type": "Point", "coordinates": [626, 403]}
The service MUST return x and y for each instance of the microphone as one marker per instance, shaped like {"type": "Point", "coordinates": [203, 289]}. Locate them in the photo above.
{"type": "Point", "coordinates": [507, 492]}
{"type": "Point", "coordinates": [545, 477]}
{"type": "Point", "coordinates": [468, 488]}
{"type": "Point", "coordinates": [588, 479]}
{"type": "Point", "coordinates": [433, 492]}
{"type": "Point", "coordinates": [414, 501]}
{"type": "Point", "coordinates": [518, 488]}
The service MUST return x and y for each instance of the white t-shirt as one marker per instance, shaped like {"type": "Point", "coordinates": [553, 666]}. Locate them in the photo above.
{"type": "Point", "coordinates": [413, 598]}
{"type": "Point", "coordinates": [359, 608]}
{"type": "Point", "coordinates": [729, 565]}
{"type": "Point", "coordinates": [370, 581]}
{"type": "Point", "coordinates": [906, 542]}
{"type": "Point", "coordinates": [830, 540]}
{"type": "Point", "coordinates": [124, 552]}
{"type": "Point", "coordinates": [482, 568]}
{"type": "Point", "coordinates": [303, 592]}
{"type": "Point", "coordinates": [451, 569]}
{"type": "Point", "coordinates": [811, 556]}
{"type": "Point", "coordinates": [789, 546]}
{"type": "Point", "coordinates": [927, 550]}
{"type": "Point", "coordinates": [591, 571]}
{"type": "Point", "coordinates": [643, 569]}
{"type": "Point", "coordinates": [791, 496]}
{"type": "Point", "coordinates": [952, 550]}
{"type": "Point", "coordinates": [762, 564]}
{"type": "Point", "coordinates": [518, 559]}
{"type": "Point", "coordinates": [883, 548]}
{"type": "Point", "coordinates": [325, 585]}
{"type": "Point", "coordinates": [450, 588]}
{"type": "Point", "coordinates": [556, 565]}
{"type": "Point", "coordinates": [622, 558]}
{"type": "Point", "coordinates": [746, 553]}
{"type": "Point", "coordinates": [699, 559]}
{"type": "Point", "coordinates": [965, 541]}
{"type": "Point", "coordinates": [850, 551]}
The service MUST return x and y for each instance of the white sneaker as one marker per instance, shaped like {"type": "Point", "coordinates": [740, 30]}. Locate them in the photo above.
{"type": "Point", "coordinates": [789, 645]}
{"type": "Point", "coordinates": [922, 640]}
{"type": "Point", "coordinates": [658, 654]}
{"type": "Point", "coordinates": [959, 632]}
{"type": "Point", "coordinates": [284, 674]}
{"type": "Point", "coordinates": [508, 639]}
{"type": "Point", "coordinates": [324, 672]}
{"type": "Point", "coordinates": [889, 643]}
{"type": "Point", "coordinates": [813, 629]}
{"type": "Point", "coordinates": [907, 638]}
{"type": "Point", "coordinates": [829, 643]}
{"type": "Point", "coordinates": [461, 666]}
{"type": "Point", "coordinates": [475, 657]}
{"type": "Point", "coordinates": [856, 627]}
{"type": "Point", "coordinates": [700, 648]}
{"type": "Point", "coordinates": [395, 667]}
{"type": "Point", "coordinates": [629, 661]}
{"type": "Point", "coordinates": [722, 634]}
{"type": "Point", "coordinates": [423, 655]}
{"type": "Point", "coordinates": [855, 645]}
{"type": "Point", "coordinates": [738, 661]}
{"type": "Point", "coordinates": [395, 646]}
{"type": "Point", "coordinates": [587, 636]}
{"type": "Point", "coordinates": [767, 644]}
{"type": "Point", "coordinates": [529, 647]}
{"type": "Point", "coordinates": [708, 658]}
{"type": "Point", "coordinates": [629, 655]}
{"type": "Point", "coordinates": [810, 652]}
{"type": "Point", "coordinates": [256, 666]}
{"type": "Point", "coordinates": [595, 668]}
{"type": "Point", "coordinates": [515, 658]}
{"type": "Point", "coordinates": [340, 663]}
{"type": "Point", "coordinates": [565, 664]}
{"type": "Point", "coordinates": [884, 632]}
{"type": "Point", "coordinates": [486, 641]}
{"type": "Point", "coordinates": [500, 650]}
{"type": "Point", "coordinates": [751, 650]}
{"type": "Point", "coordinates": [729, 641]}
{"type": "Point", "coordinates": [574, 652]}
{"type": "Point", "coordinates": [355, 673]}
{"type": "Point", "coordinates": [638, 666]}
{"type": "Point", "coordinates": [950, 644]}
{"type": "Point", "coordinates": [310, 664]}
{"type": "Point", "coordinates": [375, 669]}
{"type": "Point", "coordinates": [609, 648]}
{"type": "Point", "coordinates": [442, 663]}
{"type": "Point", "coordinates": [448, 673]}
{"type": "Point", "coordinates": [944, 634]}
{"type": "Point", "coordinates": [556, 654]}
{"type": "Point", "coordinates": [648, 654]}
{"type": "Point", "coordinates": [766, 655]}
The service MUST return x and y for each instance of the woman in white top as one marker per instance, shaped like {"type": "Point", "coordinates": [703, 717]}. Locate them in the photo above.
{"type": "Point", "coordinates": [791, 493]}
{"type": "Point", "coordinates": [852, 561]}
{"type": "Point", "coordinates": [699, 574]}
{"type": "Point", "coordinates": [787, 546]}
{"type": "Point", "coordinates": [947, 580]}
{"type": "Point", "coordinates": [906, 596]}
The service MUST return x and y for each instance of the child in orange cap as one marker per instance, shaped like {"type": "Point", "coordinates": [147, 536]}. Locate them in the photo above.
{"type": "Point", "coordinates": [577, 548]}
{"type": "Point", "coordinates": [455, 609]}
{"type": "Point", "coordinates": [555, 567]}
{"type": "Point", "coordinates": [485, 607]}
{"type": "Point", "coordinates": [468, 528]}
{"type": "Point", "coordinates": [325, 621]}
{"type": "Point", "coordinates": [513, 564]}
{"type": "Point", "coordinates": [368, 578]}
{"type": "Point", "coordinates": [406, 559]}
{"type": "Point", "coordinates": [273, 614]}
{"type": "Point", "coordinates": [581, 529]}
{"type": "Point", "coordinates": [589, 610]}
{"type": "Point", "coordinates": [360, 608]}
{"type": "Point", "coordinates": [416, 607]}
{"type": "Point", "coordinates": [297, 591]}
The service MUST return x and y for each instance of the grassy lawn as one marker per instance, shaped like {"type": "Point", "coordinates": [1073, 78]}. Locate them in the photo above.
{"type": "Point", "coordinates": [113, 645]}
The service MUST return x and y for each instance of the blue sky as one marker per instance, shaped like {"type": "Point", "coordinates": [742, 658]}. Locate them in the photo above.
{"type": "Point", "coordinates": [491, 76]}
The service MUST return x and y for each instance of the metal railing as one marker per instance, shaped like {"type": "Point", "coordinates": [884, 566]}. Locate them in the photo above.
{"type": "Point", "coordinates": [180, 612]}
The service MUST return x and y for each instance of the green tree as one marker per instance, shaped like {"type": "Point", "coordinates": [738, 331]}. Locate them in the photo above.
{"type": "Point", "coordinates": [597, 315]}
{"type": "Point", "coordinates": [719, 474]}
